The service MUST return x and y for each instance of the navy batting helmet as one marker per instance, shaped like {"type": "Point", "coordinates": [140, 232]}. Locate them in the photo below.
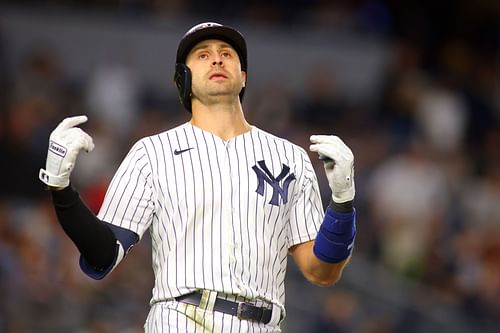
{"type": "Point", "coordinates": [198, 33]}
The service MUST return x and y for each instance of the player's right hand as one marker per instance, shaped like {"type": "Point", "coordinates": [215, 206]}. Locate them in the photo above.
{"type": "Point", "coordinates": [65, 142]}
{"type": "Point", "coordinates": [338, 161]}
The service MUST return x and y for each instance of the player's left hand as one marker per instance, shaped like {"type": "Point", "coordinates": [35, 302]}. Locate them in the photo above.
{"type": "Point", "coordinates": [338, 161]}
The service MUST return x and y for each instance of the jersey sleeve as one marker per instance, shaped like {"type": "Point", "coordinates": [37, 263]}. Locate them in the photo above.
{"type": "Point", "coordinates": [129, 202]}
{"type": "Point", "coordinates": [307, 212]}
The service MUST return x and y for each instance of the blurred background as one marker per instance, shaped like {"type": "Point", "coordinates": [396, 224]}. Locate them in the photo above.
{"type": "Point", "coordinates": [411, 86]}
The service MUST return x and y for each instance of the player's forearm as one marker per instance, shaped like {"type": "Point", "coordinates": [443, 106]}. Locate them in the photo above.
{"type": "Point", "coordinates": [319, 272]}
{"type": "Point", "coordinates": [95, 241]}
{"type": "Point", "coordinates": [334, 242]}
{"type": "Point", "coordinates": [326, 274]}
{"type": "Point", "coordinates": [323, 260]}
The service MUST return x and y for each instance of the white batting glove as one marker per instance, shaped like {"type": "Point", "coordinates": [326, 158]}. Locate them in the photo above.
{"type": "Point", "coordinates": [65, 143]}
{"type": "Point", "coordinates": [339, 165]}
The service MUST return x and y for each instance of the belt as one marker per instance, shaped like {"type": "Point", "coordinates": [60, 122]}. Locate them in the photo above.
{"type": "Point", "coordinates": [241, 310]}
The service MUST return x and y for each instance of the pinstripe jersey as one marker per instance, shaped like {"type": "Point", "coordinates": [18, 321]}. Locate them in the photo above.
{"type": "Point", "coordinates": [221, 214]}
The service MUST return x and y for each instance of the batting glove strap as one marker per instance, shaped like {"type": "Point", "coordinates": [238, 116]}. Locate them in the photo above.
{"type": "Point", "coordinates": [60, 181]}
{"type": "Point", "coordinates": [335, 239]}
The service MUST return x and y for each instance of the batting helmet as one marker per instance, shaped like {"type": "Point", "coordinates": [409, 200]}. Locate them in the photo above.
{"type": "Point", "coordinates": [198, 33]}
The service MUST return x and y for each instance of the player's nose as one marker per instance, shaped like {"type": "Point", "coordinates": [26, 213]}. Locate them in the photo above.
{"type": "Point", "coordinates": [217, 61]}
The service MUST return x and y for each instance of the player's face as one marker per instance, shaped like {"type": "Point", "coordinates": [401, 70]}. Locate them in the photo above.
{"type": "Point", "coordinates": [216, 71]}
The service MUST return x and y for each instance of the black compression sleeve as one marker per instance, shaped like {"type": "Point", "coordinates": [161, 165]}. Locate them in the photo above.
{"type": "Point", "coordinates": [345, 207]}
{"type": "Point", "coordinates": [94, 239]}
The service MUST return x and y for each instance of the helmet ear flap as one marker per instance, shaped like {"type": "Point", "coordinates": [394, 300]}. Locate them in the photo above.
{"type": "Point", "coordinates": [182, 79]}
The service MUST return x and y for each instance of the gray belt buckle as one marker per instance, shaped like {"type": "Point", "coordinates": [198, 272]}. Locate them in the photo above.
{"type": "Point", "coordinates": [239, 310]}
{"type": "Point", "coordinates": [245, 311]}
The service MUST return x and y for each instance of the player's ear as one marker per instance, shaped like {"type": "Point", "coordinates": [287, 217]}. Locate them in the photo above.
{"type": "Point", "coordinates": [244, 76]}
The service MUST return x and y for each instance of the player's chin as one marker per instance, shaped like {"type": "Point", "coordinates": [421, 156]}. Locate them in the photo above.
{"type": "Point", "coordinates": [220, 84]}
{"type": "Point", "coordinates": [221, 89]}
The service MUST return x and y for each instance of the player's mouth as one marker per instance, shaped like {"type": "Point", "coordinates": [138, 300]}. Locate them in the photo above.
{"type": "Point", "coordinates": [217, 76]}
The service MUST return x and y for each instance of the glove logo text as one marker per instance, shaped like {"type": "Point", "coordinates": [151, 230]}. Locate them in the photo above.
{"type": "Point", "coordinates": [57, 149]}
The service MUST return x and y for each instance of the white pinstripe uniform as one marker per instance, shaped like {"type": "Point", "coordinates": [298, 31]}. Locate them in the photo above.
{"type": "Point", "coordinates": [217, 223]}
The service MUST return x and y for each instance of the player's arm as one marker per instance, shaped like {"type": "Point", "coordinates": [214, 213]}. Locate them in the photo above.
{"type": "Point", "coordinates": [323, 259]}
{"type": "Point", "coordinates": [102, 245]}
{"type": "Point", "coordinates": [322, 264]}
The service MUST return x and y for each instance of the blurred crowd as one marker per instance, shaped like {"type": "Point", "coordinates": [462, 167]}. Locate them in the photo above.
{"type": "Point", "coordinates": [427, 166]}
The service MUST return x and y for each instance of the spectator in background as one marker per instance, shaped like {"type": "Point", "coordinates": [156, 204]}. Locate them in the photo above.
{"type": "Point", "coordinates": [482, 94]}
{"type": "Point", "coordinates": [322, 102]}
{"type": "Point", "coordinates": [113, 95]}
{"type": "Point", "coordinates": [4, 84]}
{"type": "Point", "coordinates": [404, 85]}
{"type": "Point", "coordinates": [476, 274]}
{"type": "Point", "coordinates": [408, 196]}
{"type": "Point", "coordinates": [17, 148]}
{"type": "Point", "coordinates": [441, 117]}
{"type": "Point", "coordinates": [37, 95]}
{"type": "Point", "coordinates": [42, 81]}
{"type": "Point", "coordinates": [480, 193]}
{"type": "Point", "coordinates": [275, 112]}
{"type": "Point", "coordinates": [338, 313]}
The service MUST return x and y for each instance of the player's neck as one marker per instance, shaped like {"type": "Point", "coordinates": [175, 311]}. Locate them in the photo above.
{"type": "Point", "coordinates": [225, 122]}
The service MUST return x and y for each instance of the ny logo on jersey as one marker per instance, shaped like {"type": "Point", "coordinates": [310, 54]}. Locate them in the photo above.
{"type": "Point", "coordinates": [263, 174]}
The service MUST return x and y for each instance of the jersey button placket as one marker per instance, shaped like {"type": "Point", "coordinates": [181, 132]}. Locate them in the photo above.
{"type": "Point", "coordinates": [235, 204]}
{"type": "Point", "coordinates": [228, 231]}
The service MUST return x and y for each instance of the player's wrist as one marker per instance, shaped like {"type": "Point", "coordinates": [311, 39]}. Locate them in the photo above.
{"type": "Point", "coordinates": [65, 197]}
{"type": "Point", "coordinates": [342, 207]}
{"type": "Point", "coordinates": [335, 240]}
{"type": "Point", "coordinates": [54, 181]}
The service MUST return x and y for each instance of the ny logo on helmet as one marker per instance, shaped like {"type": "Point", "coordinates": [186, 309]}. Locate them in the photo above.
{"type": "Point", "coordinates": [264, 175]}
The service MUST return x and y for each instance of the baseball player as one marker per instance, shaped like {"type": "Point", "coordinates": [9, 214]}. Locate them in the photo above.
{"type": "Point", "coordinates": [224, 201]}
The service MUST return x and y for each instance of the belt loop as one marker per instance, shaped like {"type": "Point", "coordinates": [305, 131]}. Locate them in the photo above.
{"type": "Point", "coordinates": [275, 316]}
{"type": "Point", "coordinates": [207, 300]}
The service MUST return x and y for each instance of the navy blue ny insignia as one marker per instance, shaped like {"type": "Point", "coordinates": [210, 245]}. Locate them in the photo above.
{"type": "Point", "coordinates": [264, 175]}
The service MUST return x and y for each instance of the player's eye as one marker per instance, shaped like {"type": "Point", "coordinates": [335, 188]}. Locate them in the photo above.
{"type": "Point", "coordinates": [203, 56]}
{"type": "Point", "coordinates": [226, 54]}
